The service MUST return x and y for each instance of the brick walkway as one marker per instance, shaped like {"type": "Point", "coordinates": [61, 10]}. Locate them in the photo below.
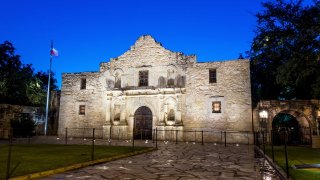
{"type": "Point", "coordinates": [182, 161]}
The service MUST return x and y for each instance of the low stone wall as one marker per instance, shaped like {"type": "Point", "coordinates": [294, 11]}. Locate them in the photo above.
{"type": "Point", "coordinates": [315, 141]}
{"type": "Point", "coordinates": [164, 133]}
{"type": "Point", "coordinates": [4, 133]}
{"type": "Point", "coordinates": [233, 137]}
{"type": "Point", "coordinates": [170, 133]}
{"type": "Point", "coordinates": [85, 133]}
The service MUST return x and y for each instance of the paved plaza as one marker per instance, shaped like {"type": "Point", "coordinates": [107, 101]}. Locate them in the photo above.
{"type": "Point", "coordinates": [182, 161]}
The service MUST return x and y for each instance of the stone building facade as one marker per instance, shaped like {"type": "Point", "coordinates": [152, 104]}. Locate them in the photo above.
{"type": "Point", "coordinates": [151, 87]}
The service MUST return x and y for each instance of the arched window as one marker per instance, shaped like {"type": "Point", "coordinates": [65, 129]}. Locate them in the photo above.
{"type": "Point", "coordinates": [161, 82]}
{"type": "Point", "coordinates": [181, 81]}
{"type": "Point", "coordinates": [117, 80]}
{"type": "Point", "coordinates": [170, 83]}
{"type": "Point", "coordinates": [110, 84]}
{"type": "Point", "coordinates": [171, 76]}
{"type": "Point", "coordinates": [118, 83]}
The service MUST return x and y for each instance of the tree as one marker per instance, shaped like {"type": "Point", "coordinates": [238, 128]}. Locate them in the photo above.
{"type": "Point", "coordinates": [12, 75]}
{"type": "Point", "coordinates": [19, 84]}
{"type": "Point", "coordinates": [38, 86]}
{"type": "Point", "coordinates": [240, 56]}
{"type": "Point", "coordinates": [285, 52]}
{"type": "Point", "coordinates": [43, 78]}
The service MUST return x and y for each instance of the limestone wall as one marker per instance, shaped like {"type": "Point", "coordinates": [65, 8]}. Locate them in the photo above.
{"type": "Point", "coordinates": [176, 85]}
{"type": "Point", "coordinates": [72, 97]}
{"type": "Point", "coordinates": [128, 78]}
{"type": "Point", "coordinates": [232, 89]}
{"type": "Point", "coordinates": [146, 51]}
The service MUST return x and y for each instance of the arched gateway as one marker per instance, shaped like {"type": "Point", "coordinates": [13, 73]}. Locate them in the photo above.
{"type": "Point", "coordinates": [298, 117]}
{"type": "Point", "coordinates": [143, 123]}
{"type": "Point", "coordinates": [286, 122]}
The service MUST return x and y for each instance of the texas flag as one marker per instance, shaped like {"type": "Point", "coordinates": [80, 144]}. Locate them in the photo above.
{"type": "Point", "coordinates": [54, 52]}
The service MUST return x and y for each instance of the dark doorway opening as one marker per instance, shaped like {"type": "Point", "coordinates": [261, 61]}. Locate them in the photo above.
{"type": "Point", "coordinates": [143, 123]}
{"type": "Point", "coordinates": [283, 123]}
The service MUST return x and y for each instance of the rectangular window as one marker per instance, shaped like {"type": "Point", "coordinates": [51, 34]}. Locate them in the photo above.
{"type": "Point", "coordinates": [216, 107]}
{"type": "Point", "coordinates": [212, 76]}
{"type": "Point", "coordinates": [82, 110]}
{"type": "Point", "coordinates": [143, 78]}
{"type": "Point", "coordinates": [83, 83]}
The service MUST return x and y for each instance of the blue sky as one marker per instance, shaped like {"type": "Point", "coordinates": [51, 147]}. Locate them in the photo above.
{"type": "Point", "coordinates": [87, 32]}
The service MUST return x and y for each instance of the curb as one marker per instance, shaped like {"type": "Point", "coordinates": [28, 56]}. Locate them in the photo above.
{"type": "Point", "coordinates": [79, 165]}
{"type": "Point", "coordinates": [280, 171]}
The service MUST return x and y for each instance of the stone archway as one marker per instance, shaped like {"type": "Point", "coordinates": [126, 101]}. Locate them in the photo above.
{"type": "Point", "coordinates": [285, 122]}
{"type": "Point", "coordinates": [295, 123]}
{"type": "Point", "coordinates": [143, 123]}
{"type": "Point", "coordinates": [306, 113]}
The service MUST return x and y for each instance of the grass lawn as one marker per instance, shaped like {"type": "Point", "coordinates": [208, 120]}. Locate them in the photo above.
{"type": "Point", "coordinates": [36, 158]}
{"type": "Point", "coordinates": [297, 155]}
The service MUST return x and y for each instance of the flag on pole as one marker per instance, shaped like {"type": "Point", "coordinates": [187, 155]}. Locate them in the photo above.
{"type": "Point", "coordinates": [54, 52]}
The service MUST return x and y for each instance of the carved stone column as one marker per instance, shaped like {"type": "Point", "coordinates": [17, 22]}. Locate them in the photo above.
{"type": "Point", "coordinates": [178, 112]}
{"type": "Point", "coordinates": [108, 111]}
{"type": "Point", "coordinates": [161, 118]}
{"type": "Point", "coordinates": [123, 111]}
{"type": "Point", "coordinates": [107, 124]}
{"type": "Point", "coordinates": [165, 112]}
{"type": "Point", "coordinates": [178, 118]}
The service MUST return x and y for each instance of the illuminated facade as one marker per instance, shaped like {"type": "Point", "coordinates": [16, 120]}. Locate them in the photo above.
{"type": "Point", "coordinates": [151, 87]}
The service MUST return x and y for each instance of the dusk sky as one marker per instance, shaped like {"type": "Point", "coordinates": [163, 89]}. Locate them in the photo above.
{"type": "Point", "coordinates": [87, 32]}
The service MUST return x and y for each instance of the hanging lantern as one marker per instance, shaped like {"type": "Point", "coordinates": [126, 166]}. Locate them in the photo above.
{"type": "Point", "coordinates": [263, 114]}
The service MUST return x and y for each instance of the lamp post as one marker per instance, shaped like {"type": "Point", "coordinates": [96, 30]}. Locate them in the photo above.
{"type": "Point", "coordinates": [318, 121]}
{"type": "Point", "coordinates": [263, 121]}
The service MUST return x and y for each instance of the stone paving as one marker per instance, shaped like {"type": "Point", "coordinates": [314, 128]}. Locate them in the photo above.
{"type": "Point", "coordinates": [182, 161]}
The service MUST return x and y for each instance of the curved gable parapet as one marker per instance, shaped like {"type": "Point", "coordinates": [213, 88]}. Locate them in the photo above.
{"type": "Point", "coordinates": [148, 52]}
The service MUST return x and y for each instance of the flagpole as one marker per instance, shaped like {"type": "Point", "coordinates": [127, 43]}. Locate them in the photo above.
{"type": "Point", "coordinates": [48, 93]}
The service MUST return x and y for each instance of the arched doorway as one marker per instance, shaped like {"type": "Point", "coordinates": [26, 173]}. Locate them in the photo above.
{"type": "Point", "coordinates": [284, 122]}
{"type": "Point", "coordinates": [143, 123]}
